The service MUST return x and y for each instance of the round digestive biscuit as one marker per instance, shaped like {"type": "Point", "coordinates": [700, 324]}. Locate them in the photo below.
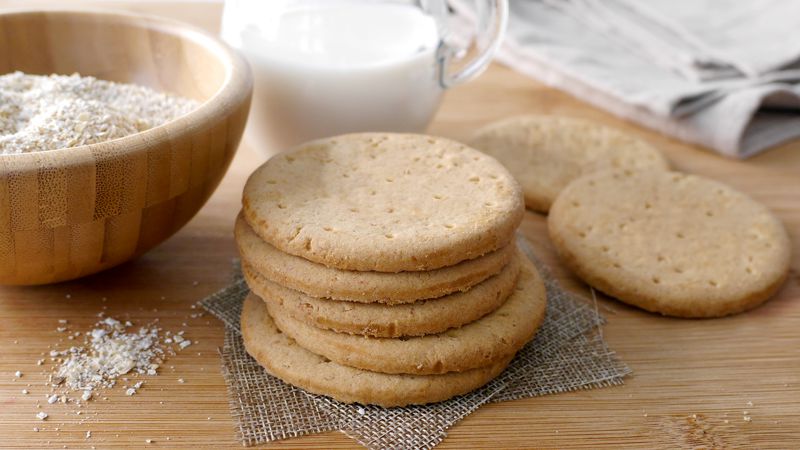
{"type": "Point", "coordinates": [488, 340]}
{"type": "Point", "coordinates": [283, 358]}
{"type": "Point", "coordinates": [676, 244]}
{"type": "Point", "coordinates": [384, 202]}
{"type": "Point", "coordinates": [317, 280]}
{"type": "Point", "coordinates": [545, 153]}
{"type": "Point", "coordinates": [374, 319]}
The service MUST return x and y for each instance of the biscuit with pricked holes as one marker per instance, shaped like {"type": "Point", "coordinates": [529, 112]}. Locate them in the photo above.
{"type": "Point", "coordinates": [545, 153]}
{"type": "Point", "coordinates": [384, 202]}
{"type": "Point", "coordinates": [680, 245]}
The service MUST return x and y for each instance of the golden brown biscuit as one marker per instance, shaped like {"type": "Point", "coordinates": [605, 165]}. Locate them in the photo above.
{"type": "Point", "coordinates": [317, 280]}
{"type": "Point", "coordinates": [545, 153]}
{"type": "Point", "coordinates": [483, 342]}
{"type": "Point", "coordinates": [379, 320]}
{"type": "Point", "coordinates": [384, 202]}
{"type": "Point", "coordinates": [680, 245]}
{"type": "Point", "coordinates": [283, 358]}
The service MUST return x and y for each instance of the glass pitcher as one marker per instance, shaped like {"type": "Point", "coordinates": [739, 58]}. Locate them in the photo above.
{"type": "Point", "coordinates": [328, 67]}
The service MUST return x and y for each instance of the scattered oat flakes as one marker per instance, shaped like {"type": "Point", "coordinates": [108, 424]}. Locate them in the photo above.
{"type": "Point", "coordinates": [111, 351]}
{"type": "Point", "coordinates": [41, 415]}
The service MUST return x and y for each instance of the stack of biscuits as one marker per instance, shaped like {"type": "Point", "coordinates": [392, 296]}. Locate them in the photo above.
{"type": "Point", "coordinates": [383, 269]}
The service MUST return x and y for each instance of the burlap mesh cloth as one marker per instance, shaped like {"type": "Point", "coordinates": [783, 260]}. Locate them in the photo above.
{"type": "Point", "coordinates": [568, 353]}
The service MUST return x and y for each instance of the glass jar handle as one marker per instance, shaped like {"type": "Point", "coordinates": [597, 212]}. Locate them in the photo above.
{"type": "Point", "coordinates": [490, 15]}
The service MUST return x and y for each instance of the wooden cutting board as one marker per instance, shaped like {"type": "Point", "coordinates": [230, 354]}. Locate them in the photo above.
{"type": "Point", "coordinates": [693, 380]}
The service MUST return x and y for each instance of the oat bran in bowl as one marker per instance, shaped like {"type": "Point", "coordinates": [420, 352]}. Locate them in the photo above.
{"type": "Point", "coordinates": [70, 212]}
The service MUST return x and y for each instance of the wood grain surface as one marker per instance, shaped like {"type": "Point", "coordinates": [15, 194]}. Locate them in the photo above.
{"type": "Point", "coordinates": [692, 380]}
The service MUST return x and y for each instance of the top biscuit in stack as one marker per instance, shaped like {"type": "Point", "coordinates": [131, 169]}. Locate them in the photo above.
{"type": "Point", "coordinates": [384, 202]}
{"type": "Point", "coordinates": [354, 241]}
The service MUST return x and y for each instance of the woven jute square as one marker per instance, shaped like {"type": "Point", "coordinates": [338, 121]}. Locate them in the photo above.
{"type": "Point", "coordinates": [568, 353]}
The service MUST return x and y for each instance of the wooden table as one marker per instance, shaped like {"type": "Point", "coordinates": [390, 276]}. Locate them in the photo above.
{"type": "Point", "coordinates": [692, 380]}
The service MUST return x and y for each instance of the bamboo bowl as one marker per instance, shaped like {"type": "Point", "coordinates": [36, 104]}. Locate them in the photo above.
{"type": "Point", "coordinates": [72, 212]}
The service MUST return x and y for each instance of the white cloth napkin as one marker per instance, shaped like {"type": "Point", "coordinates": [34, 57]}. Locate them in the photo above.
{"type": "Point", "coordinates": [720, 73]}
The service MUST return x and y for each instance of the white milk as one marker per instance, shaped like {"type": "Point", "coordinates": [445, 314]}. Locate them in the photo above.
{"type": "Point", "coordinates": [332, 68]}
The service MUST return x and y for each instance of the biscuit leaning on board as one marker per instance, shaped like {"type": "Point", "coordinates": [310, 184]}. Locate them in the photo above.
{"type": "Point", "coordinates": [283, 358]}
{"type": "Point", "coordinates": [546, 153]}
{"type": "Point", "coordinates": [317, 280]}
{"type": "Point", "coordinates": [378, 320]}
{"type": "Point", "coordinates": [676, 244]}
{"type": "Point", "coordinates": [486, 341]}
{"type": "Point", "coordinates": [384, 202]}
